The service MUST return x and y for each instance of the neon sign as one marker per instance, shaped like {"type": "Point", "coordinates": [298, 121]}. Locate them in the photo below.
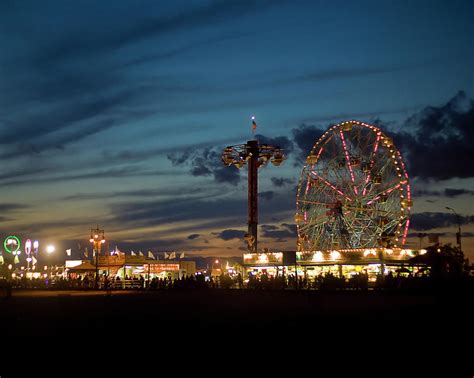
{"type": "Point", "coordinates": [11, 244]}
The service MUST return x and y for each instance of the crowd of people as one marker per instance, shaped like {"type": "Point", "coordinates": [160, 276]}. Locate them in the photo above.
{"type": "Point", "coordinates": [262, 281]}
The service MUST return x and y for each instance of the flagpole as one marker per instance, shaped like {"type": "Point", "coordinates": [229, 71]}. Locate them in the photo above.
{"type": "Point", "coordinates": [254, 127]}
{"type": "Point", "coordinates": [148, 275]}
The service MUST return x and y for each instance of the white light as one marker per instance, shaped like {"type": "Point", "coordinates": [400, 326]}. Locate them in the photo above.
{"type": "Point", "coordinates": [50, 248]}
{"type": "Point", "coordinates": [35, 244]}
{"type": "Point", "coordinates": [28, 246]}
{"type": "Point", "coordinates": [335, 255]}
{"type": "Point", "coordinates": [318, 256]}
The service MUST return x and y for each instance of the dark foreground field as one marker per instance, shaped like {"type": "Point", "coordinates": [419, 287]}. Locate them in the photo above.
{"type": "Point", "coordinates": [187, 314]}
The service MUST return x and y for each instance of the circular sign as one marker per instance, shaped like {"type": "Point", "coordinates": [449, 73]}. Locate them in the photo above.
{"type": "Point", "coordinates": [11, 244]}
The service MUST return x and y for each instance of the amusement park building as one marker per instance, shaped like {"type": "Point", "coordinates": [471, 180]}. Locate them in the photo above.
{"type": "Point", "coordinates": [132, 266]}
{"type": "Point", "coordinates": [341, 263]}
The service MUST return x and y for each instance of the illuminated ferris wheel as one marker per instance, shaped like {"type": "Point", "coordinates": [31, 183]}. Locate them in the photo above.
{"type": "Point", "coordinates": [353, 191]}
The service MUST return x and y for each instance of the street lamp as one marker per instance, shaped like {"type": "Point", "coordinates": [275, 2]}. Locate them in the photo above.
{"type": "Point", "coordinates": [50, 249]}
{"type": "Point", "coordinates": [255, 155]}
{"type": "Point", "coordinates": [458, 218]}
{"type": "Point", "coordinates": [97, 239]}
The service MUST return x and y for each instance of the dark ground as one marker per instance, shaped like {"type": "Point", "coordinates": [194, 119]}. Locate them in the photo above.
{"type": "Point", "coordinates": [268, 319]}
{"type": "Point", "coordinates": [59, 312]}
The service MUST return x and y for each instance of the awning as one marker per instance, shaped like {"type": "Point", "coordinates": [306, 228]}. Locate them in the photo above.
{"type": "Point", "coordinates": [86, 266]}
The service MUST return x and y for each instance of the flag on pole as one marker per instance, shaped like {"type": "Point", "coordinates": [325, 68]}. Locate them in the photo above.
{"type": "Point", "coordinates": [2, 261]}
{"type": "Point", "coordinates": [34, 261]}
{"type": "Point", "coordinates": [254, 124]}
{"type": "Point", "coordinates": [181, 256]}
{"type": "Point", "coordinates": [140, 253]}
{"type": "Point", "coordinates": [150, 255]}
{"type": "Point", "coordinates": [68, 251]}
{"type": "Point", "coordinates": [133, 253]}
{"type": "Point", "coordinates": [86, 253]}
{"type": "Point", "coordinates": [166, 255]}
{"type": "Point", "coordinates": [172, 255]}
{"type": "Point", "coordinates": [16, 260]}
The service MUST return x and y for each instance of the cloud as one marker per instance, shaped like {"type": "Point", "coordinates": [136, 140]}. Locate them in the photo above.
{"type": "Point", "coordinates": [162, 55]}
{"type": "Point", "coordinates": [436, 140]}
{"type": "Point", "coordinates": [132, 29]}
{"type": "Point", "coordinates": [190, 210]}
{"type": "Point", "coordinates": [230, 175]}
{"type": "Point", "coordinates": [193, 236]}
{"type": "Point", "coordinates": [199, 213]}
{"type": "Point", "coordinates": [430, 220]}
{"type": "Point", "coordinates": [281, 181]}
{"type": "Point", "coordinates": [206, 162]}
{"type": "Point", "coordinates": [440, 142]}
{"type": "Point", "coordinates": [266, 195]}
{"type": "Point", "coordinates": [141, 193]}
{"type": "Point", "coordinates": [305, 136]}
{"type": "Point", "coordinates": [280, 141]}
{"type": "Point", "coordinates": [457, 192]}
{"type": "Point", "coordinates": [10, 207]}
{"type": "Point", "coordinates": [280, 233]}
{"type": "Point", "coordinates": [448, 192]}
{"type": "Point", "coordinates": [231, 234]}
{"type": "Point", "coordinates": [129, 171]}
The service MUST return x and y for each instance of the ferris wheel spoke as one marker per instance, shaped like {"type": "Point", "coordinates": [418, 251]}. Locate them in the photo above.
{"type": "Point", "coordinates": [384, 193]}
{"type": "Point", "coordinates": [371, 161]}
{"type": "Point", "coordinates": [348, 160]}
{"type": "Point", "coordinates": [327, 183]}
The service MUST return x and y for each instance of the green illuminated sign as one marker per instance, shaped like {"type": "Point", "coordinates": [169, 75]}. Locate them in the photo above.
{"type": "Point", "coordinates": [11, 244]}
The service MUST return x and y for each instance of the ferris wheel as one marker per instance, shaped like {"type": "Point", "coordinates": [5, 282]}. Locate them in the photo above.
{"type": "Point", "coordinates": [353, 191]}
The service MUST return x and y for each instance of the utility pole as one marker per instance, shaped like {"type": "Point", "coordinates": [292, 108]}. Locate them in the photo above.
{"type": "Point", "coordinates": [458, 234]}
{"type": "Point", "coordinates": [97, 239]}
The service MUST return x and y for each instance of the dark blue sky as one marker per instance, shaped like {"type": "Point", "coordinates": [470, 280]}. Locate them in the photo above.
{"type": "Point", "coordinates": [116, 112]}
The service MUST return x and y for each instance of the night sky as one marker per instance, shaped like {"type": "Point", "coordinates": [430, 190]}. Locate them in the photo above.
{"type": "Point", "coordinates": [115, 113]}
